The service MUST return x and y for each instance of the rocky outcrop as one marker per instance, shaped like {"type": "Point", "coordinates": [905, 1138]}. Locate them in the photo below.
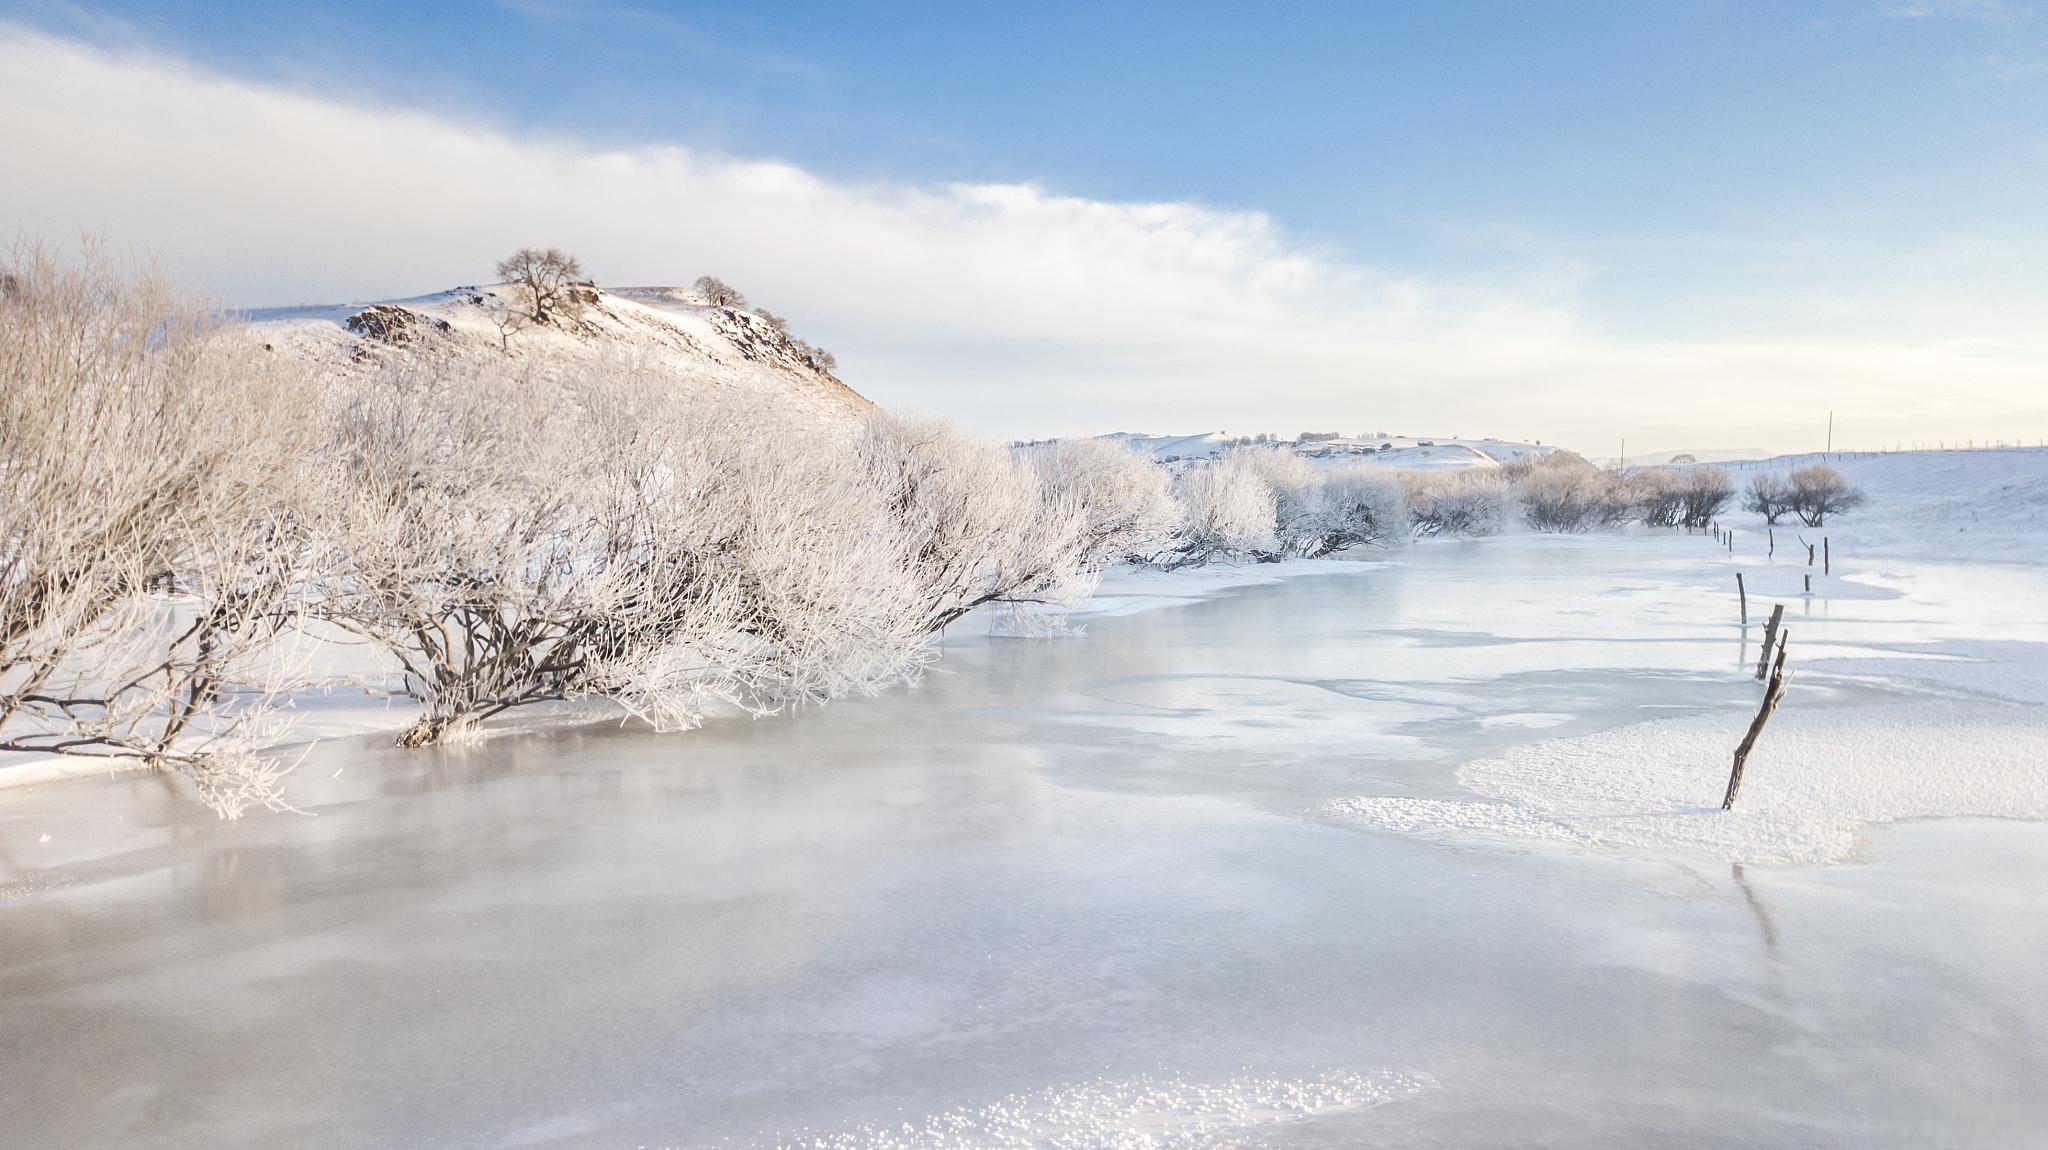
{"type": "Point", "coordinates": [389, 323]}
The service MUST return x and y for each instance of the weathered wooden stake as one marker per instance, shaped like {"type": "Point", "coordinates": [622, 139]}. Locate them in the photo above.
{"type": "Point", "coordinates": [1826, 561]}
{"type": "Point", "coordinates": [1809, 553]}
{"type": "Point", "coordinates": [1772, 694]}
{"type": "Point", "coordinates": [1763, 662]}
{"type": "Point", "coordinates": [1745, 598]}
{"type": "Point", "coordinates": [1771, 533]}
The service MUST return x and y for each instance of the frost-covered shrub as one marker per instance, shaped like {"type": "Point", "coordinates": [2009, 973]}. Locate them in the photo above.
{"type": "Point", "coordinates": [467, 524]}
{"type": "Point", "coordinates": [1226, 511]}
{"type": "Point", "coordinates": [1125, 497]}
{"type": "Point", "coordinates": [1562, 492]}
{"type": "Point", "coordinates": [1292, 483]}
{"type": "Point", "coordinates": [1457, 502]}
{"type": "Point", "coordinates": [1319, 511]}
{"type": "Point", "coordinates": [1818, 492]}
{"type": "Point", "coordinates": [829, 603]}
{"type": "Point", "coordinates": [146, 551]}
{"type": "Point", "coordinates": [1769, 496]}
{"type": "Point", "coordinates": [510, 538]}
{"type": "Point", "coordinates": [979, 522]}
{"type": "Point", "coordinates": [1353, 506]}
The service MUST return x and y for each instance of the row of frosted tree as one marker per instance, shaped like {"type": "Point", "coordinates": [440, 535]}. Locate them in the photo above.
{"type": "Point", "coordinates": [1561, 492]}
{"type": "Point", "coordinates": [192, 526]}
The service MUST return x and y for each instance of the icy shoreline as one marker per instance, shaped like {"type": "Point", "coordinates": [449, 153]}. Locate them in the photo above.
{"type": "Point", "coordinates": [341, 713]}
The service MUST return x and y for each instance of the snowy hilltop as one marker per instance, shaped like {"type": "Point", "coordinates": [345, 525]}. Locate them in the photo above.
{"type": "Point", "coordinates": [1400, 452]}
{"type": "Point", "coordinates": [704, 341]}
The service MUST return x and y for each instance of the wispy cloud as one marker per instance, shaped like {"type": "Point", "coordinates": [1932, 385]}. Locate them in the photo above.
{"type": "Point", "coordinates": [668, 28]}
{"type": "Point", "coordinates": [1016, 308]}
{"type": "Point", "coordinates": [1980, 10]}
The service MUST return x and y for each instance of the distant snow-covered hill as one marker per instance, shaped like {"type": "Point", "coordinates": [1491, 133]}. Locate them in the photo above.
{"type": "Point", "coordinates": [1697, 455]}
{"type": "Point", "coordinates": [1402, 452]}
{"type": "Point", "coordinates": [672, 332]}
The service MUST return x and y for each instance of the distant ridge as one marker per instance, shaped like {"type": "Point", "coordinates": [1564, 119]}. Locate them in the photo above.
{"type": "Point", "coordinates": [1418, 453]}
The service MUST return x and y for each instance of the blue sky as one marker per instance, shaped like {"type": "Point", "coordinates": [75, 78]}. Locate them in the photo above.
{"type": "Point", "coordinates": [1689, 172]}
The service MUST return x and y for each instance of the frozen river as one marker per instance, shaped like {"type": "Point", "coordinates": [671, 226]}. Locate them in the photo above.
{"type": "Point", "coordinates": [1067, 893]}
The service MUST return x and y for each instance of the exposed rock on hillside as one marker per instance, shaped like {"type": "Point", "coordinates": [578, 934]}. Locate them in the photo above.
{"type": "Point", "coordinates": [669, 332]}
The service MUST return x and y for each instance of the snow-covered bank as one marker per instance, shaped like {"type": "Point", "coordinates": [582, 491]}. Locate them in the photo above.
{"type": "Point", "coordinates": [346, 712]}
{"type": "Point", "coordinates": [1986, 506]}
{"type": "Point", "coordinates": [1819, 778]}
{"type": "Point", "coordinates": [1964, 734]}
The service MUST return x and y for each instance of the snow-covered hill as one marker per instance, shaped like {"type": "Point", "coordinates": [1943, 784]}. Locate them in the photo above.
{"type": "Point", "coordinates": [1402, 452]}
{"type": "Point", "coordinates": [672, 332]}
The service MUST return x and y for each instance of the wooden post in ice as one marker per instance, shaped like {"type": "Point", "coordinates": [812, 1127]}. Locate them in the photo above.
{"type": "Point", "coordinates": [1809, 553]}
{"type": "Point", "coordinates": [1809, 582]}
{"type": "Point", "coordinates": [1744, 594]}
{"type": "Point", "coordinates": [1771, 533]}
{"type": "Point", "coordinates": [1772, 693]}
{"type": "Point", "coordinates": [1826, 561]}
{"type": "Point", "coordinates": [1763, 663]}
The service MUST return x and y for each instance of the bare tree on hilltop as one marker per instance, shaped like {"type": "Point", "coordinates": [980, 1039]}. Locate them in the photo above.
{"type": "Point", "coordinates": [542, 279]}
{"type": "Point", "coordinates": [718, 293]}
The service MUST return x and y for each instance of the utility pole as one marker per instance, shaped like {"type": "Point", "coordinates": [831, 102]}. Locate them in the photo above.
{"type": "Point", "coordinates": [1831, 431]}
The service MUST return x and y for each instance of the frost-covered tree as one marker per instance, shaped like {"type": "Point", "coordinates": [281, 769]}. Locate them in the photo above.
{"type": "Point", "coordinates": [541, 280]}
{"type": "Point", "coordinates": [1706, 492]}
{"type": "Point", "coordinates": [1226, 511]}
{"type": "Point", "coordinates": [1768, 496]}
{"type": "Point", "coordinates": [1658, 494]}
{"type": "Point", "coordinates": [146, 550]}
{"type": "Point", "coordinates": [1818, 492]}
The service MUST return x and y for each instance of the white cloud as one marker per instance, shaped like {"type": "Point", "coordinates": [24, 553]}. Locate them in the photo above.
{"type": "Point", "coordinates": [1012, 308]}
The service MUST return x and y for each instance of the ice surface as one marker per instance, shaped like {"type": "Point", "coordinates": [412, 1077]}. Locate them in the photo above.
{"type": "Point", "coordinates": [1132, 1114]}
{"type": "Point", "coordinates": [1071, 882]}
